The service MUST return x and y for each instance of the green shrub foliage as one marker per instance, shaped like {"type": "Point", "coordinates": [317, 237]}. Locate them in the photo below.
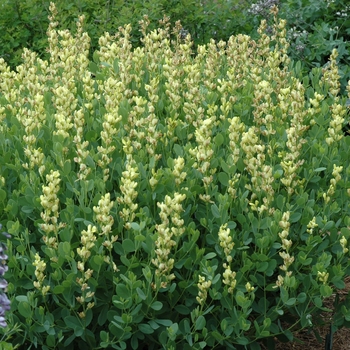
{"type": "Point", "coordinates": [163, 197]}
{"type": "Point", "coordinates": [24, 23]}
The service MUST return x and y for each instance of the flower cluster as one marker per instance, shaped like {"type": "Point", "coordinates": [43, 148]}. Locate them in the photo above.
{"type": "Point", "coordinates": [180, 176]}
{"type": "Point", "coordinates": [261, 174]}
{"type": "Point", "coordinates": [229, 278]}
{"type": "Point", "coordinates": [4, 301]}
{"type": "Point", "coordinates": [226, 241]}
{"type": "Point", "coordinates": [311, 225]}
{"type": "Point", "coordinates": [83, 42]}
{"type": "Point", "coordinates": [286, 245]}
{"type": "Point", "coordinates": [152, 135]}
{"type": "Point", "coordinates": [204, 151]}
{"type": "Point", "coordinates": [290, 161]}
{"type": "Point", "coordinates": [32, 111]}
{"type": "Point", "coordinates": [40, 267]}
{"type": "Point", "coordinates": [322, 276]}
{"type": "Point", "coordinates": [127, 188]}
{"type": "Point", "coordinates": [331, 75]}
{"type": "Point", "coordinates": [49, 201]}
{"type": "Point", "coordinates": [103, 217]}
{"type": "Point", "coordinates": [344, 243]}
{"type": "Point", "coordinates": [170, 208]}
{"type": "Point", "coordinates": [105, 221]}
{"type": "Point", "coordinates": [87, 240]}
{"type": "Point", "coordinates": [336, 124]}
{"type": "Point", "coordinates": [336, 178]}
{"type": "Point", "coordinates": [236, 129]}
{"type": "Point", "coordinates": [203, 287]}
{"type": "Point", "coordinates": [81, 145]}
{"type": "Point", "coordinates": [227, 244]}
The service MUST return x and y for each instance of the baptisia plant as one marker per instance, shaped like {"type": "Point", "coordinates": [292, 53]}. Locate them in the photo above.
{"type": "Point", "coordinates": [159, 197]}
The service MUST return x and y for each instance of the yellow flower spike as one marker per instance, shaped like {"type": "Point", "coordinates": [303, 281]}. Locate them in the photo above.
{"type": "Point", "coordinates": [203, 287]}
{"type": "Point", "coordinates": [229, 278]}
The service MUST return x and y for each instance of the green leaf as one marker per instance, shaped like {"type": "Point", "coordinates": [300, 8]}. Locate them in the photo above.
{"type": "Point", "coordinates": [5, 346]}
{"type": "Point", "coordinates": [140, 293]}
{"type": "Point", "coordinates": [122, 291]}
{"type": "Point", "coordinates": [284, 294]}
{"type": "Point", "coordinates": [288, 334]}
{"type": "Point", "coordinates": [67, 167]}
{"type": "Point", "coordinates": [280, 201]}
{"type": "Point", "coordinates": [223, 178]}
{"type": "Point", "coordinates": [209, 256]}
{"type": "Point", "coordinates": [301, 297]}
{"type": "Point", "coordinates": [27, 209]}
{"type": "Point", "coordinates": [219, 140]}
{"type": "Point", "coordinates": [104, 336]}
{"type": "Point", "coordinates": [318, 302]}
{"type": "Point", "coordinates": [166, 323]}
{"type": "Point", "coordinates": [215, 211]}
{"type": "Point", "coordinates": [326, 291]}
{"type": "Point", "coordinates": [58, 289]}
{"type": "Point", "coordinates": [291, 301]}
{"type": "Point", "coordinates": [178, 150]}
{"type": "Point", "coordinates": [64, 249]}
{"type": "Point", "coordinates": [295, 217]}
{"type": "Point", "coordinates": [157, 305]}
{"type": "Point", "coordinates": [24, 309]}
{"type": "Point", "coordinates": [69, 340]}
{"type": "Point", "coordinates": [200, 323]}
{"type": "Point", "coordinates": [182, 309]}
{"type": "Point", "coordinates": [262, 266]}
{"type": "Point", "coordinates": [147, 273]}
{"type": "Point", "coordinates": [2, 195]}
{"type": "Point", "coordinates": [242, 341]}
{"type": "Point", "coordinates": [72, 322]}
{"type": "Point", "coordinates": [145, 328]}
{"type": "Point", "coordinates": [128, 245]}
{"type": "Point", "coordinates": [135, 226]}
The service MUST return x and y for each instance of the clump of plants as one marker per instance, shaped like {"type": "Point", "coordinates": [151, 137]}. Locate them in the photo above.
{"type": "Point", "coordinates": [24, 23]}
{"type": "Point", "coordinates": [314, 29]}
{"type": "Point", "coordinates": [159, 197]}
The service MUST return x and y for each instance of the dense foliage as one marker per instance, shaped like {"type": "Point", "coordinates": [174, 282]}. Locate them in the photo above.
{"type": "Point", "coordinates": [314, 27]}
{"type": "Point", "coordinates": [26, 21]}
{"type": "Point", "coordinates": [161, 198]}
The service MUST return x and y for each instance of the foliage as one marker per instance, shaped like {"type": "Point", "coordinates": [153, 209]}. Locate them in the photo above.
{"type": "Point", "coordinates": [166, 198]}
{"type": "Point", "coordinates": [26, 21]}
{"type": "Point", "coordinates": [315, 28]}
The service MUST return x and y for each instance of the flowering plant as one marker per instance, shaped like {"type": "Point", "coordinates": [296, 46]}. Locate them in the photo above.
{"type": "Point", "coordinates": [163, 198]}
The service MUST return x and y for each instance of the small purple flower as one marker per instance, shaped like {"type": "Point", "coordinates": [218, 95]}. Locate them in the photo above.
{"type": "Point", "coordinates": [4, 300]}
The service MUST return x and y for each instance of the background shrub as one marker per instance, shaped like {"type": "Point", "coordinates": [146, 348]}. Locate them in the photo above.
{"type": "Point", "coordinates": [24, 23]}
{"type": "Point", "coordinates": [314, 27]}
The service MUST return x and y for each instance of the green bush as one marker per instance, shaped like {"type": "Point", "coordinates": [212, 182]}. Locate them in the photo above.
{"type": "Point", "coordinates": [26, 21]}
{"type": "Point", "coordinates": [315, 28]}
{"type": "Point", "coordinates": [163, 199]}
